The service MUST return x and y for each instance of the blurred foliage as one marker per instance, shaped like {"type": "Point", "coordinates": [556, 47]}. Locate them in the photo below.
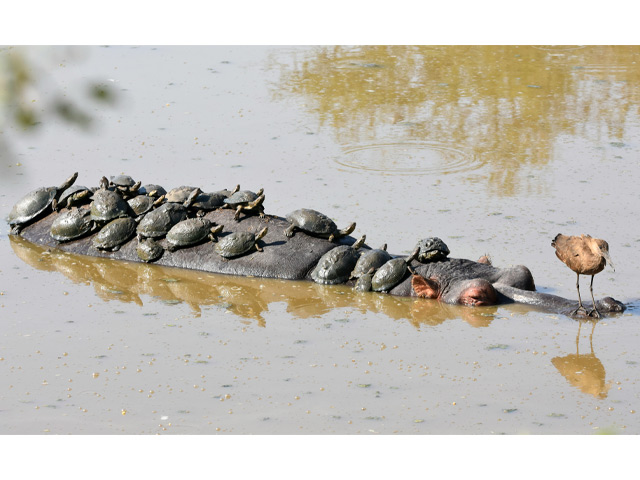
{"type": "Point", "coordinates": [509, 104]}
{"type": "Point", "coordinates": [29, 96]}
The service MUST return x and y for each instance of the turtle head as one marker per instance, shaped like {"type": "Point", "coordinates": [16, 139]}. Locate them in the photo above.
{"type": "Point", "coordinates": [68, 182]}
{"type": "Point", "coordinates": [413, 255]}
{"type": "Point", "coordinates": [360, 242]}
{"type": "Point", "coordinates": [348, 230]}
{"type": "Point", "coordinates": [261, 233]}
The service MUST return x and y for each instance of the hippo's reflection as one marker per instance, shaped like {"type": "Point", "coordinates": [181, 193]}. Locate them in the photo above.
{"type": "Point", "coordinates": [584, 371]}
{"type": "Point", "coordinates": [247, 297]}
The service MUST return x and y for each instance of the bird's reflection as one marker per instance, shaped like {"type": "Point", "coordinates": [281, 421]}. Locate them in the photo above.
{"type": "Point", "coordinates": [245, 297]}
{"type": "Point", "coordinates": [584, 371]}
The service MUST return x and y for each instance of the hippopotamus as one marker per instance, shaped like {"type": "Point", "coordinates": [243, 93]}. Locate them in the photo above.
{"type": "Point", "coordinates": [449, 280]}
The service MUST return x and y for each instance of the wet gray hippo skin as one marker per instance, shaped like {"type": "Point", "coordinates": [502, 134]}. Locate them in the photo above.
{"type": "Point", "coordinates": [457, 280]}
{"type": "Point", "coordinates": [460, 281]}
{"type": "Point", "coordinates": [554, 303]}
{"type": "Point", "coordinates": [453, 280]}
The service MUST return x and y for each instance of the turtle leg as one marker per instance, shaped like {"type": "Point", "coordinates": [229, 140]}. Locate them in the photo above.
{"type": "Point", "coordinates": [15, 230]}
{"type": "Point", "coordinates": [290, 230]}
{"type": "Point", "coordinates": [213, 234]}
{"type": "Point", "coordinates": [236, 217]}
{"type": "Point", "coordinates": [258, 247]}
{"type": "Point", "coordinates": [332, 237]}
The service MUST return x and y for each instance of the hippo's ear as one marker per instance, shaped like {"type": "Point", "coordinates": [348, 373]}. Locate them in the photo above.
{"type": "Point", "coordinates": [425, 287]}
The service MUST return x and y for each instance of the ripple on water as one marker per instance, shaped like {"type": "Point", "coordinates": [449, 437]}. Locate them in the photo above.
{"type": "Point", "coordinates": [414, 158]}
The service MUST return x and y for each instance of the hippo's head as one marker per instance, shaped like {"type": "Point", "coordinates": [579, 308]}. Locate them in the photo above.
{"type": "Point", "coordinates": [471, 292]}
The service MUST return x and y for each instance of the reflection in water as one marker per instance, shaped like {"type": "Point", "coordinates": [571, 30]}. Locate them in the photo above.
{"type": "Point", "coordinates": [503, 107]}
{"type": "Point", "coordinates": [584, 371]}
{"type": "Point", "coordinates": [244, 296]}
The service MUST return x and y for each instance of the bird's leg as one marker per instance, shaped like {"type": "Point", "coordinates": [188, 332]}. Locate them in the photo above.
{"type": "Point", "coordinates": [580, 306]}
{"type": "Point", "coordinates": [594, 312]}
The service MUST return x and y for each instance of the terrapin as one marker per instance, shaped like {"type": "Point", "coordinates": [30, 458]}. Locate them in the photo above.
{"type": "Point", "coordinates": [371, 259]}
{"type": "Point", "coordinates": [152, 190]}
{"type": "Point", "coordinates": [431, 250]}
{"type": "Point", "coordinates": [142, 204]}
{"type": "Point", "coordinates": [246, 201]}
{"type": "Point", "coordinates": [36, 202]}
{"type": "Point", "coordinates": [315, 223]}
{"type": "Point", "coordinates": [238, 243]}
{"type": "Point", "coordinates": [159, 221]}
{"type": "Point", "coordinates": [363, 284]}
{"type": "Point", "coordinates": [336, 265]}
{"type": "Point", "coordinates": [74, 195]}
{"type": "Point", "coordinates": [115, 233]}
{"type": "Point", "coordinates": [179, 194]}
{"type": "Point", "coordinates": [108, 205]}
{"type": "Point", "coordinates": [392, 272]}
{"type": "Point", "coordinates": [206, 202]}
{"type": "Point", "coordinates": [125, 185]}
{"type": "Point", "coordinates": [149, 250]}
{"type": "Point", "coordinates": [72, 224]}
{"type": "Point", "coordinates": [191, 232]}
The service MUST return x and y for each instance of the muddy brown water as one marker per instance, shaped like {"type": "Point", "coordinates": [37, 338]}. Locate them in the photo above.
{"type": "Point", "coordinates": [493, 149]}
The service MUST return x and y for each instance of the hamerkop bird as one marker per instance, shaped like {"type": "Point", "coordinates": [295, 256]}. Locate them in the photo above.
{"type": "Point", "coordinates": [584, 255]}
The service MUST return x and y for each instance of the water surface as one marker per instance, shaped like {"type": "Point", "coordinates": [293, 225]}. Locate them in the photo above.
{"type": "Point", "coordinates": [493, 149]}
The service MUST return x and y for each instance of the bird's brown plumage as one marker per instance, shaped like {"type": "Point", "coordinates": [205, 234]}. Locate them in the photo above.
{"type": "Point", "coordinates": [581, 254]}
{"type": "Point", "coordinates": [585, 256]}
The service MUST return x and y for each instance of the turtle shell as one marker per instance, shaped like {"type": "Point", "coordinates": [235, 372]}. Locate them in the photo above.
{"type": "Point", "coordinates": [115, 233]}
{"type": "Point", "coordinates": [336, 265]}
{"type": "Point", "coordinates": [389, 275]}
{"type": "Point", "coordinates": [72, 194]}
{"type": "Point", "coordinates": [141, 204]}
{"type": "Point", "coordinates": [157, 190]}
{"type": "Point", "coordinates": [189, 232]}
{"type": "Point", "coordinates": [179, 194]}
{"type": "Point", "coordinates": [159, 221]}
{"type": "Point", "coordinates": [71, 224]}
{"type": "Point", "coordinates": [122, 181]}
{"type": "Point", "coordinates": [31, 205]}
{"type": "Point", "coordinates": [149, 250]}
{"type": "Point", "coordinates": [240, 198]}
{"type": "Point", "coordinates": [312, 221]}
{"type": "Point", "coordinates": [363, 284]}
{"type": "Point", "coordinates": [108, 205]}
{"type": "Point", "coordinates": [368, 260]}
{"type": "Point", "coordinates": [210, 201]}
{"type": "Point", "coordinates": [235, 244]}
{"type": "Point", "coordinates": [432, 249]}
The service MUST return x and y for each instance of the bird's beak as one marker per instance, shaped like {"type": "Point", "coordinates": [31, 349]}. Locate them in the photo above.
{"type": "Point", "coordinates": [605, 254]}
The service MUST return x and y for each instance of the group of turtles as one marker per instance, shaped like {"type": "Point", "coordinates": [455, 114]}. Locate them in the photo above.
{"type": "Point", "coordinates": [374, 269]}
{"type": "Point", "coordinates": [121, 208]}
